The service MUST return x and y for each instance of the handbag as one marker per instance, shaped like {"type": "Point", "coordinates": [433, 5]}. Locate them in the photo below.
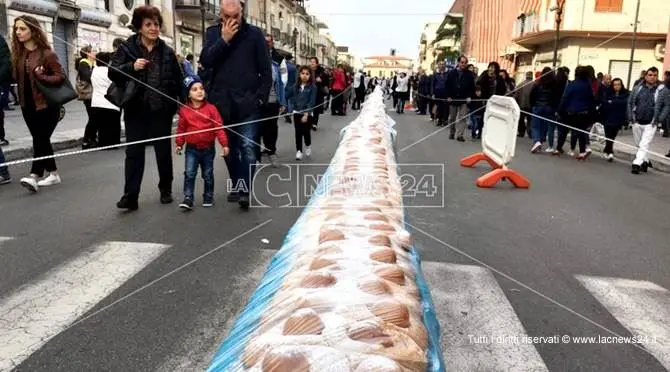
{"type": "Point", "coordinates": [119, 95]}
{"type": "Point", "coordinates": [56, 95]}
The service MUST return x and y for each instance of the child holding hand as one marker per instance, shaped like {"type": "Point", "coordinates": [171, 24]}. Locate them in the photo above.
{"type": "Point", "coordinates": [200, 125]}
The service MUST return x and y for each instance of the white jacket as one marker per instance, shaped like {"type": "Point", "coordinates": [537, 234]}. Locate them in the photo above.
{"type": "Point", "coordinates": [100, 83]}
{"type": "Point", "coordinates": [403, 84]}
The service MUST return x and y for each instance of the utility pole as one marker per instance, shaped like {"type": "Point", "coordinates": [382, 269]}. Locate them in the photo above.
{"type": "Point", "coordinates": [632, 48]}
{"type": "Point", "coordinates": [557, 36]}
{"type": "Point", "coordinates": [203, 14]}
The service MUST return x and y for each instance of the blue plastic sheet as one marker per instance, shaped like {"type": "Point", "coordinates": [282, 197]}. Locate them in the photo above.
{"type": "Point", "coordinates": [229, 356]}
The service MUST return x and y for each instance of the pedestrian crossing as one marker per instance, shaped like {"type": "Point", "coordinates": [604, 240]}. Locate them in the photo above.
{"type": "Point", "coordinates": [470, 304]}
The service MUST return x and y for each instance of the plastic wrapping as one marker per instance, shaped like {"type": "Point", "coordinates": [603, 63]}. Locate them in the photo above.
{"type": "Point", "coordinates": [345, 292]}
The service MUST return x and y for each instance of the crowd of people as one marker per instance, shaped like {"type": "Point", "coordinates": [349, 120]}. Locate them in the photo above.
{"type": "Point", "coordinates": [240, 81]}
{"type": "Point", "coordinates": [548, 99]}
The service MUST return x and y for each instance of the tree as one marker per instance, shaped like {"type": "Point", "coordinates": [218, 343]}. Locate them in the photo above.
{"type": "Point", "coordinates": [450, 28]}
{"type": "Point", "coordinates": [447, 53]}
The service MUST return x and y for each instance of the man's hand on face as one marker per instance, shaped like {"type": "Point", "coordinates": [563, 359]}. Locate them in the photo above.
{"type": "Point", "coordinates": [229, 29]}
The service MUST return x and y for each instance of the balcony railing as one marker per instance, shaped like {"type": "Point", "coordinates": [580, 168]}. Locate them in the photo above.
{"type": "Point", "coordinates": [211, 6]}
{"type": "Point", "coordinates": [526, 25]}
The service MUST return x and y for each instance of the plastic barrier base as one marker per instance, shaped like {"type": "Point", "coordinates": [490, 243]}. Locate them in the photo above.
{"type": "Point", "coordinates": [499, 172]}
{"type": "Point", "coordinates": [472, 160]}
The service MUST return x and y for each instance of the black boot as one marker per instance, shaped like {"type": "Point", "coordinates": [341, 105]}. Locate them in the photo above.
{"type": "Point", "coordinates": [128, 203]}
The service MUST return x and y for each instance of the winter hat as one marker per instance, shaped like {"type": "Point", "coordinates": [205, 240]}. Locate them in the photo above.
{"type": "Point", "coordinates": [190, 80]}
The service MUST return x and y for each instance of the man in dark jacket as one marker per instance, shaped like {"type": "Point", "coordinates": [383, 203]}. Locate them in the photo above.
{"type": "Point", "coordinates": [438, 91]}
{"type": "Point", "coordinates": [5, 77]}
{"type": "Point", "coordinates": [460, 89]}
{"type": "Point", "coordinates": [238, 56]}
{"type": "Point", "coordinates": [423, 90]}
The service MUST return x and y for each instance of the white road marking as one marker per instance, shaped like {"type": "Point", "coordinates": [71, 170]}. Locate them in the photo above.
{"type": "Point", "coordinates": [473, 312]}
{"type": "Point", "coordinates": [38, 311]}
{"type": "Point", "coordinates": [641, 306]}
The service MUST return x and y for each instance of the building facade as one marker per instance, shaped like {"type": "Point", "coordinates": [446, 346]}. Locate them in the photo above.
{"type": "Point", "coordinates": [427, 51]}
{"type": "Point", "coordinates": [72, 25]}
{"type": "Point", "coordinates": [191, 19]}
{"type": "Point", "coordinates": [345, 57]}
{"type": "Point", "coordinates": [520, 34]}
{"type": "Point", "coordinates": [386, 66]}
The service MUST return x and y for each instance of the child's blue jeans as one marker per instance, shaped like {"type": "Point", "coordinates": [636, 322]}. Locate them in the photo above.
{"type": "Point", "coordinates": [204, 159]}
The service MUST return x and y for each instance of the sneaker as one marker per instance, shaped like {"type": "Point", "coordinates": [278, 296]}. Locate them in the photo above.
{"type": "Point", "coordinates": [298, 155]}
{"type": "Point", "coordinates": [207, 203]}
{"type": "Point", "coordinates": [460, 139]}
{"type": "Point", "coordinates": [610, 157]}
{"type": "Point", "coordinates": [557, 152]}
{"type": "Point", "coordinates": [50, 180]}
{"type": "Point", "coordinates": [308, 151]}
{"type": "Point", "coordinates": [582, 156]}
{"type": "Point", "coordinates": [30, 183]}
{"type": "Point", "coordinates": [549, 150]}
{"type": "Point", "coordinates": [233, 197]}
{"type": "Point", "coordinates": [127, 203]}
{"type": "Point", "coordinates": [273, 160]}
{"type": "Point", "coordinates": [186, 205]}
{"type": "Point", "coordinates": [244, 202]}
{"type": "Point", "coordinates": [536, 147]}
{"type": "Point", "coordinates": [571, 153]}
{"type": "Point", "coordinates": [451, 136]}
{"type": "Point", "coordinates": [166, 197]}
{"type": "Point", "coordinates": [588, 150]}
{"type": "Point", "coordinates": [4, 142]}
{"type": "Point", "coordinates": [667, 155]}
{"type": "Point", "coordinates": [5, 180]}
{"type": "Point", "coordinates": [635, 169]}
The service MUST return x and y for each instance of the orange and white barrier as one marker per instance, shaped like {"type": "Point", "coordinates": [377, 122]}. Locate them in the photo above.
{"type": "Point", "coordinates": [501, 122]}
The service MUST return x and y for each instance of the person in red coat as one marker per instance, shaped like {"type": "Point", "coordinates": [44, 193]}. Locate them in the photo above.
{"type": "Point", "coordinates": [339, 84]}
{"type": "Point", "coordinates": [200, 125]}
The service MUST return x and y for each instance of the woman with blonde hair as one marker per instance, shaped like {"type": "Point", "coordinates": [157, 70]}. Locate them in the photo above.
{"type": "Point", "coordinates": [36, 65]}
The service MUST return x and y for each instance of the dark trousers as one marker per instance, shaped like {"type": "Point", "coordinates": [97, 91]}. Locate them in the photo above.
{"type": "Point", "coordinates": [358, 99]}
{"type": "Point", "coordinates": [269, 130]}
{"type": "Point", "coordinates": [442, 112]}
{"type": "Point", "coordinates": [524, 124]}
{"type": "Point", "coordinates": [394, 95]}
{"type": "Point", "coordinates": [431, 105]}
{"type": "Point", "coordinates": [199, 158]}
{"type": "Point", "coordinates": [2, 124]}
{"type": "Point", "coordinates": [611, 132]}
{"type": "Point", "coordinates": [144, 125]}
{"type": "Point", "coordinates": [4, 171]}
{"type": "Point", "coordinates": [244, 150]}
{"type": "Point", "coordinates": [315, 118]}
{"type": "Point", "coordinates": [302, 131]}
{"type": "Point", "coordinates": [337, 106]}
{"type": "Point", "coordinates": [41, 125]}
{"type": "Point", "coordinates": [109, 125]}
{"type": "Point", "coordinates": [579, 121]}
{"type": "Point", "coordinates": [92, 126]}
{"type": "Point", "coordinates": [422, 103]}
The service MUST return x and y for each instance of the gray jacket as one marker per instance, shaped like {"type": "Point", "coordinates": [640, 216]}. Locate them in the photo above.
{"type": "Point", "coordinates": [661, 107]}
{"type": "Point", "coordinates": [522, 94]}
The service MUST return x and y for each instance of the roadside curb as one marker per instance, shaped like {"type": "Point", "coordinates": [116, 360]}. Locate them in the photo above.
{"type": "Point", "coordinates": [58, 145]}
{"type": "Point", "coordinates": [660, 165]}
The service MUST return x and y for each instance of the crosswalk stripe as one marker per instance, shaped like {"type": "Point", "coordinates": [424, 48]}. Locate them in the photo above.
{"type": "Point", "coordinates": [38, 311]}
{"type": "Point", "coordinates": [474, 312]}
{"type": "Point", "coordinates": [4, 239]}
{"type": "Point", "coordinates": [641, 306]}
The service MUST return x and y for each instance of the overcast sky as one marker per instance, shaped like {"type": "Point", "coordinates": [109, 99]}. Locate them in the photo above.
{"type": "Point", "coordinates": [373, 27]}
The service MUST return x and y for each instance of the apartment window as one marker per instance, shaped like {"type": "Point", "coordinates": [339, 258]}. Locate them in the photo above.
{"type": "Point", "coordinates": [615, 6]}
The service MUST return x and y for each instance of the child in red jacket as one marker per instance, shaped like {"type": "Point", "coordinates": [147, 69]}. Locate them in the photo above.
{"type": "Point", "coordinates": [202, 123]}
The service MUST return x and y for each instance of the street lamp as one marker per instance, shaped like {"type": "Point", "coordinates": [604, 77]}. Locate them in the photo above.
{"type": "Point", "coordinates": [559, 18]}
{"type": "Point", "coordinates": [295, 43]}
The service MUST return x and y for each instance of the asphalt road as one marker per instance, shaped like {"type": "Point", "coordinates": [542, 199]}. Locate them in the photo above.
{"type": "Point", "coordinates": [590, 220]}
